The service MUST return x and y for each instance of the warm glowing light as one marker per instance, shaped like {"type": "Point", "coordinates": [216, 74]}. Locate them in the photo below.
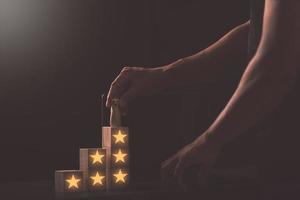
{"type": "Point", "coordinates": [120, 156]}
{"type": "Point", "coordinates": [73, 182]}
{"type": "Point", "coordinates": [120, 176]}
{"type": "Point", "coordinates": [119, 137]}
{"type": "Point", "coordinates": [97, 179]}
{"type": "Point", "coordinates": [97, 158]}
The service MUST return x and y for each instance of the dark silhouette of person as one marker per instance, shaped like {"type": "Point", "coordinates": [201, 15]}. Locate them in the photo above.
{"type": "Point", "coordinates": [266, 95]}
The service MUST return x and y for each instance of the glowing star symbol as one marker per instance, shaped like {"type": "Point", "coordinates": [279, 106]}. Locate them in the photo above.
{"type": "Point", "coordinates": [120, 176]}
{"type": "Point", "coordinates": [97, 158]}
{"type": "Point", "coordinates": [120, 156]}
{"type": "Point", "coordinates": [97, 179]}
{"type": "Point", "coordinates": [119, 137]}
{"type": "Point", "coordinates": [73, 182]}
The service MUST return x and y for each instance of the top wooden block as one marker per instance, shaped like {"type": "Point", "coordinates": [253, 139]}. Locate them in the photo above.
{"type": "Point", "coordinates": [115, 137]}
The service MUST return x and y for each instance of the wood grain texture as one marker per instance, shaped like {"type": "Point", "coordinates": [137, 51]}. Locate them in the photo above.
{"type": "Point", "coordinates": [118, 156]}
{"type": "Point", "coordinates": [61, 185]}
{"type": "Point", "coordinates": [90, 167]}
{"type": "Point", "coordinates": [87, 160]}
{"type": "Point", "coordinates": [115, 114]}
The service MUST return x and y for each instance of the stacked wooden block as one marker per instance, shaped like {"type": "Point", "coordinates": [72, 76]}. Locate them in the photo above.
{"type": "Point", "coordinates": [100, 168]}
{"type": "Point", "coordinates": [69, 181]}
{"type": "Point", "coordinates": [93, 164]}
{"type": "Point", "coordinates": [115, 140]}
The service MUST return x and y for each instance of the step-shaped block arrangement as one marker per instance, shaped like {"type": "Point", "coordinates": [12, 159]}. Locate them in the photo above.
{"type": "Point", "coordinates": [116, 141]}
{"type": "Point", "coordinates": [93, 162]}
{"type": "Point", "coordinates": [100, 168]}
{"type": "Point", "coordinates": [69, 181]}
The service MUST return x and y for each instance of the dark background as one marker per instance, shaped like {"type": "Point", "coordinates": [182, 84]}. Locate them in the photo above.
{"type": "Point", "coordinates": [57, 57]}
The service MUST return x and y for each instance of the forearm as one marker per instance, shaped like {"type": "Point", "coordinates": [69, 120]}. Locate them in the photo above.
{"type": "Point", "coordinates": [264, 84]}
{"type": "Point", "coordinates": [209, 64]}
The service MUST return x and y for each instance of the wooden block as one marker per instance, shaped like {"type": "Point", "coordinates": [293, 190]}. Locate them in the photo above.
{"type": "Point", "coordinates": [115, 113]}
{"type": "Point", "coordinates": [92, 159]}
{"type": "Point", "coordinates": [116, 141]}
{"type": "Point", "coordinates": [118, 171]}
{"type": "Point", "coordinates": [118, 178]}
{"type": "Point", "coordinates": [69, 181]}
{"type": "Point", "coordinates": [93, 163]}
{"type": "Point", "coordinates": [96, 180]}
{"type": "Point", "coordinates": [115, 137]}
{"type": "Point", "coordinates": [119, 158]}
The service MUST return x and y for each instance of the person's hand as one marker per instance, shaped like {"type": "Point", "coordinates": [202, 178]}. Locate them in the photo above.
{"type": "Point", "coordinates": [133, 82]}
{"type": "Point", "coordinates": [198, 153]}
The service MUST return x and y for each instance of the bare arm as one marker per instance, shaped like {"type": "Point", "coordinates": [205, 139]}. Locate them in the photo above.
{"type": "Point", "coordinates": [267, 79]}
{"type": "Point", "coordinates": [205, 66]}
{"type": "Point", "coordinates": [269, 76]}
{"type": "Point", "coordinates": [211, 63]}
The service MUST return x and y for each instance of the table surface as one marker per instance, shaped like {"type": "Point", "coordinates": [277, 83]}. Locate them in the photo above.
{"type": "Point", "coordinates": [45, 190]}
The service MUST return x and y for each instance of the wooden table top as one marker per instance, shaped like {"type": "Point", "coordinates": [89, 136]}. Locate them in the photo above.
{"type": "Point", "coordinates": [44, 190]}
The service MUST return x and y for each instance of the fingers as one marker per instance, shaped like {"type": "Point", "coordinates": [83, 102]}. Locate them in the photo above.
{"type": "Point", "coordinates": [119, 85]}
{"type": "Point", "coordinates": [179, 174]}
{"type": "Point", "coordinates": [167, 168]}
{"type": "Point", "coordinates": [127, 97]}
{"type": "Point", "coordinates": [190, 177]}
{"type": "Point", "coordinates": [172, 172]}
